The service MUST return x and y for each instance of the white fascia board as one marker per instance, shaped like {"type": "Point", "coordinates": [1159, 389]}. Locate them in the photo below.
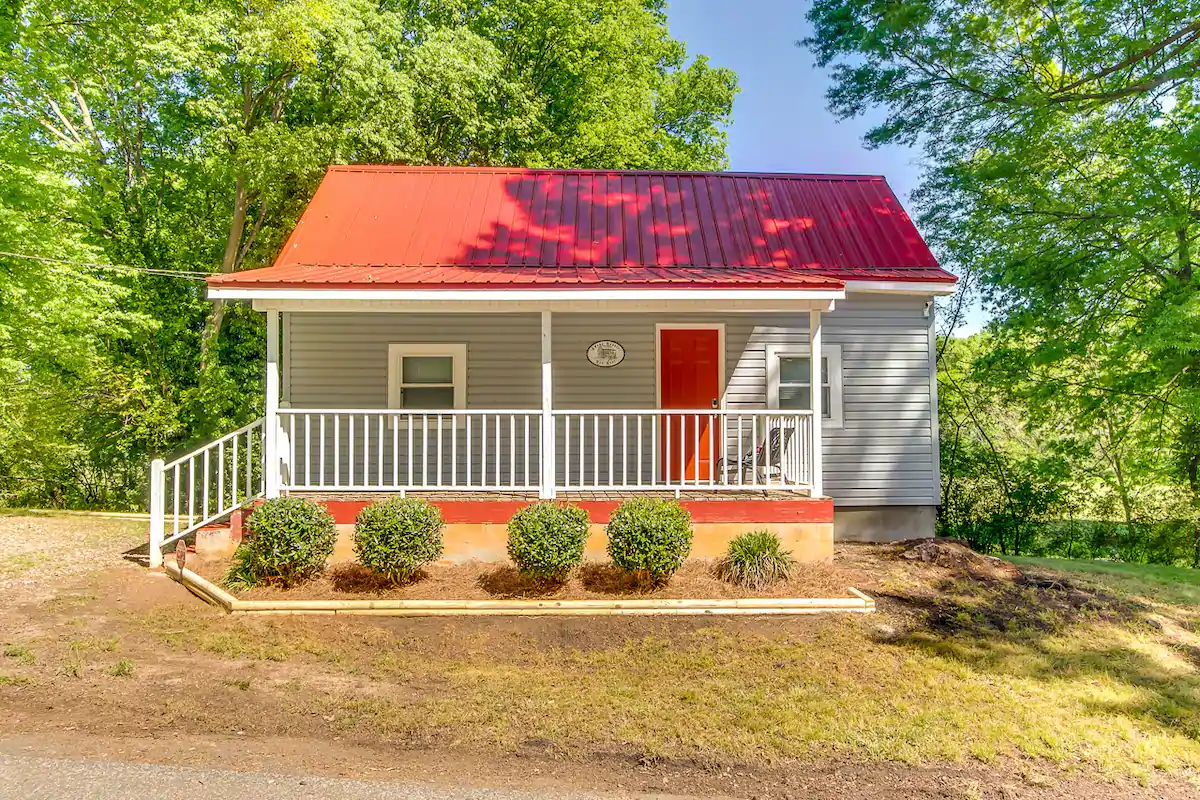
{"type": "Point", "coordinates": [520, 295]}
{"type": "Point", "coordinates": [901, 287]}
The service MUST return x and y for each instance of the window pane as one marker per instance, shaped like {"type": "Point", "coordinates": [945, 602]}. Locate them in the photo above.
{"type": "Point", "coordinates": [427, 397]}
{"type": "Point", "coordinates": [793, 369]}
{"type": "Point", "coordinates": [427, 369]}
{"type": "Point", "coordinates": [797, 398]}
{"type": "Point", "coordinates": [824, 370]}
{"type": "Point", "coordinates": [794, 397]}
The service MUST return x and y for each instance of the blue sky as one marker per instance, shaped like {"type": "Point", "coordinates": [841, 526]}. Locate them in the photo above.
{"type": "Point", "coordinates": [780, 120]}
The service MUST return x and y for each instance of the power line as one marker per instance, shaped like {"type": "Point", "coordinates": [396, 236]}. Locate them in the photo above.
{"type": "Point", "coordinates": [126, 268]}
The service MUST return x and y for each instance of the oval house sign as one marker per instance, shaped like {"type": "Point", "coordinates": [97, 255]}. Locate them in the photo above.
{"type": "Point", "coordinates": [606, 354]}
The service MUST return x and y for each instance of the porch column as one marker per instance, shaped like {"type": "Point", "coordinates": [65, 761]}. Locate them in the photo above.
{"type": "Point", "coordinates": [814, 386]}
{"type": "Point", "coordinates": [271, 417]}
{"type": "Point", "coordinates": [546, 488]}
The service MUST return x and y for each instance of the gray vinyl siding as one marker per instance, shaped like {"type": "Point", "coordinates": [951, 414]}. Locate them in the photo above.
{"type": "Point", "coordinates": [882, 455]}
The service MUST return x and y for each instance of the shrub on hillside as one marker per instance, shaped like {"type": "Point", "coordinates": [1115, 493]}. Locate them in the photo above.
{"type": "Point", "coordinates": [755, 560]}
{"type": "Point", "coordinates": [289, 540]}
{"type": "Point", "coordinates": [546, 539]}
{"type": "Point", "coordinates": [649, 537]}
{"type": "Point", "coordinates": [398, 536]}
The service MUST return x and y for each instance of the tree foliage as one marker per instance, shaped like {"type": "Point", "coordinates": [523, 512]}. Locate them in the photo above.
{"type": "Point", "coordinates": [180, 137]}
{"type": "Point", "coordinates": [1061, 176]}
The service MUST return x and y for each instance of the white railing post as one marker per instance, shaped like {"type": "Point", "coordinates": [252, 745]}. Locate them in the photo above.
{"type": "Point", "coordinates": [271, 421]}
{"type": "Point", "coordinates": [158, 489]}
{"type": "Point", "coordinates": [815, 379]}
{"type": "Point", "coordinates": [546, 490]}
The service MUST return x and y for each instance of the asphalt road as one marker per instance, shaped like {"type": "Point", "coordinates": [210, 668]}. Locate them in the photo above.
{"type": "Point", "coordinates": [25, 778]}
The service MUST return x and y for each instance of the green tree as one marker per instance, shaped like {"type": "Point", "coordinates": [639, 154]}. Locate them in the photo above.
{"type": "Point", "coordinates": [1062, 162]}
{"type": "Point", "coordinates": [188, 136]}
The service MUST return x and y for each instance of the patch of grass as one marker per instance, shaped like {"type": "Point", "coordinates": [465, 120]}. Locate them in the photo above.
{"type": "Point", "coordinates": [13, 680]}
{"type": "Point", "coordinates": [21, 653]}
{"type": "Point", "coordinates": [242, 684]}
{"type": "Point", "coordinates": [68, 601]}
{"type": "Point", "coordinates": [121, 669]}
{"type": "Point", "coordinates": [72, 667]}
{"type": "Point", "coordinates": [1172, 585]}
{"type": "Point", "coordinates": [22, 562]}
{"type": "Point", "coordinates": [971, 670]}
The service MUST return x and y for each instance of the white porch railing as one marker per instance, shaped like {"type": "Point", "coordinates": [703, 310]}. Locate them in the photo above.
{"type": "Point", "coordinates": [713, 450]}
{"type": "Point", "coordinates": [483, 450]}
{"type": "Point", "coordinates": [501, 450]}
{"type": "Point", "coordinates": [373, 450]}
{"type": "Point", "coordinates": [204, 485]}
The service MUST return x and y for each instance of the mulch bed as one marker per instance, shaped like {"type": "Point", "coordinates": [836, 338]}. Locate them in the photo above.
{"type": "Point", "coordinates": [696, 580]}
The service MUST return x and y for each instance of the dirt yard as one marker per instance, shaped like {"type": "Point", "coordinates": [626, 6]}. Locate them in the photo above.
{"type": "Point", "coordinates": [973, 681]}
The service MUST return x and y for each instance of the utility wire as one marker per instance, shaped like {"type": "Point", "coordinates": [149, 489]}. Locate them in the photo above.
{"type": "Point", "coordinates": [126, 268]}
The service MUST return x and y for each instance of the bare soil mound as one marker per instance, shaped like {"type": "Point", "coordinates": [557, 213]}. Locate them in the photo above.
{"type": "Point", "coordinates": [957, 555]}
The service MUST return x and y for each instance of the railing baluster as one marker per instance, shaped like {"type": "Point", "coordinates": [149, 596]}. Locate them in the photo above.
{"type": "Point", "coordinates": [220, 477]}
{"type": "Point", "coordinates": [454, 452]}
{"type": "Point", "coordinates": [624, 449]}
{"type": "Point", "coordinates": [525, 451]}
{"type": "Point", "coordinates": [191, 506]}
{"type": "Point", "coordinates": [424, 449]}
{"type": "Point", "coordinates": [483, 463]}
{"type": "Point", "coordinates": [366, 451]}
{"type": "Point", "coordinates": [205, 495]}
{"type": "Point", "coordinates": [469, 449]}
{"type": "Point", "coordinates": [595, 449]}
{"type": "Point", "coordinates": [350, 449]}
{"type": "Point", "coordinates": [498, 454]}
{"type": "Point", "coordinates": [410, 478]}
{"type": "Point", "coordinates": [582, 451]}
{"type": "Point", "coordinates": [321, 466]}
{"type": "Point", "coordinates": [175, 498]}
{"type": "Point", "coordinates": [639, 449]}
{"type": "Point", "coordinates": [395, 450]}
{"type": "Point", "coordinates": [291, 476]}
{"type": "Point", "coordinates": [512, 451]}
{"type": "Point", "coordinates": [379, 453]}
{"type": "Point", "coordinates": [440, 464]}
{"type": "Point", "coordinates": [337, 450]}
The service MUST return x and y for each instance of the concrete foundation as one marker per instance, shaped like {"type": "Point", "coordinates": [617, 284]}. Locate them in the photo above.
{"type": "Point", "coordinates": [883, 523]}
{"type": "Point", "coordinates": [488, 541]}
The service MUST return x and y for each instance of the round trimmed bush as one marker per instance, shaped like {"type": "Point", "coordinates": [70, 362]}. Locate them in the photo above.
{"type": "Point", "coordinates": [398, 536]}
{"type": "Point", "coordinates": [756, 559]}
{"type": "Point", "coordinates": [546, 539]}
{"type": "Point", "coordinates": [289, 540]}
{"type": "Point", "coordinates": [649, 536]}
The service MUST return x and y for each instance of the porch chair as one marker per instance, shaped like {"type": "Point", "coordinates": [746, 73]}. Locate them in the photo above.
{"type": "Point", "coordinates": [767, 458]}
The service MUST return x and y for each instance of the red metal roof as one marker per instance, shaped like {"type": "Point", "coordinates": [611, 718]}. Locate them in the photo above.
{"type": "Point", "coordinates": [395, 227]}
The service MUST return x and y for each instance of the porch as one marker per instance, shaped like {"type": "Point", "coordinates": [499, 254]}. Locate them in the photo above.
{"type": "Point", "coordinates": [706, 436]}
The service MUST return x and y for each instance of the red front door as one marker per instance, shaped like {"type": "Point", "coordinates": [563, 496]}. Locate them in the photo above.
{"type": "Point", "coordinates": [689, 377]}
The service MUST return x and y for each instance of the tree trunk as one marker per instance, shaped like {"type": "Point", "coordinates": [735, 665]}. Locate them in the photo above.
{"type": "Point", "coordinates": [229, 263]}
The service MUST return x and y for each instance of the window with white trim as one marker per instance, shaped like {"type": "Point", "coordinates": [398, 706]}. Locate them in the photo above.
{"type": "Point", "coordinates": [789, 379]}
{"type": "Point", "coordinates": [427, 376]}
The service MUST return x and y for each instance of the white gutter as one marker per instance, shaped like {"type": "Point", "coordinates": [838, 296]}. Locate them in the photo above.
{"type": "Point", "coordinates": [519, 295]}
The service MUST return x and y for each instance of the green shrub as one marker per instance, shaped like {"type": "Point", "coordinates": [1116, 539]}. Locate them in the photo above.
{"type": "Point", "coordinates": [756, 559]}
{"type": "Point", "coordinates": [398, 536]}
{"type": "Point", "coordinates": [546, 540]}
{"type": "Point", "coordinates": [289, 540]}
{"type": "Point", "coordinates": [649, 536]}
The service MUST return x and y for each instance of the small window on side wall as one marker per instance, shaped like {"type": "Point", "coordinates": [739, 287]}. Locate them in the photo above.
{"type": "Point", "coordinates": [427, 377]}
{"type": "Point", "coordinates": [789, 380]}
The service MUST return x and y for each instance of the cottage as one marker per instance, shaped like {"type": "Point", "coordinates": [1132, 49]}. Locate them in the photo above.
{"type": "Point", "coordinates": [759, 345]}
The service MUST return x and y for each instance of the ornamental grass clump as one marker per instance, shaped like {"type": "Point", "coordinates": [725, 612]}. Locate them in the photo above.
{"type": "Point", "coordinates": [755, 560]}
{"type": "Point", "coordinates": [546, 539]}
{"type": "Point", "coordinates": [649, 537]}
{"type": "Point", "coordinates": [288, 540]}
{"type": "Point", "coordinates": [398, 536]}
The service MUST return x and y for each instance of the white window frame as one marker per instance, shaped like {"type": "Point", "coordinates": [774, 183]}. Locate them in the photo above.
{"type": "Point", "coordinates": [399, 350]}
{"type": "Point", "coordinates": [831, 352]}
